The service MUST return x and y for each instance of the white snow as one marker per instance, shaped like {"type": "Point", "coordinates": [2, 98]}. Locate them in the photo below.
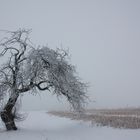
{"type": "Point", "coordinates": [43, 126]}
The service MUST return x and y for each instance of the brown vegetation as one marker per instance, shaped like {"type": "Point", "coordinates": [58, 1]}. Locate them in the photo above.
{"type": "Point", "coordinates": [118, 118]}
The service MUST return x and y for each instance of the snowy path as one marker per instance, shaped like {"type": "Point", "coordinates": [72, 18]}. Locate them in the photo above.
{"type": "Point", "coordinates": [42, 126]}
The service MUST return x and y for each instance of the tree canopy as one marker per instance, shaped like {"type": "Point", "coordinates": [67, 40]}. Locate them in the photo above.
{"type": "Point", "coordinates": [30, 69]}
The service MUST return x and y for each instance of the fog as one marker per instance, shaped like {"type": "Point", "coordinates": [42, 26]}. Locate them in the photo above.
{"type": "Point", "coordinates": [103, 38]}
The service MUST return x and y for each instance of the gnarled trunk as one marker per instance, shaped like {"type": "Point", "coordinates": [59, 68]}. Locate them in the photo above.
{"type": "Point", "coordinates": [7, 115]}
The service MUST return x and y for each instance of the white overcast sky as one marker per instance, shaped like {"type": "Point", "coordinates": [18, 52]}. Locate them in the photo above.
{"type": "Point", "coordinates": [103, 37]}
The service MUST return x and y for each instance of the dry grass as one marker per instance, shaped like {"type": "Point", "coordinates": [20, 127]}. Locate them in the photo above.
{"type": "Point", "coordinates": [118, 118]}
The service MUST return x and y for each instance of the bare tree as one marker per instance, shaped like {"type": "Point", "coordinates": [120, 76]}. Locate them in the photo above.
{"type": "Point", "coordinates": [33, 70]}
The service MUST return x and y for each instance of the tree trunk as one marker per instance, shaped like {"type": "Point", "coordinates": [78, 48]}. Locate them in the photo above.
{"type": "Point", "coordinates": [7, 115]}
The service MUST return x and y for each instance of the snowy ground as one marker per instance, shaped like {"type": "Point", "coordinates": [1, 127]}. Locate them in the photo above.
{"type": "Point", "coordinates": [43, 126]}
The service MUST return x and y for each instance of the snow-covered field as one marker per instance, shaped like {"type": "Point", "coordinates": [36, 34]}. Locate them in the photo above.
{"type": "Point", "coordinates": [43, 126]}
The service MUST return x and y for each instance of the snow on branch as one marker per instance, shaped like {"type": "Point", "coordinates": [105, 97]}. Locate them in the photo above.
{"type": "Point", "coordinates": [31, 69]}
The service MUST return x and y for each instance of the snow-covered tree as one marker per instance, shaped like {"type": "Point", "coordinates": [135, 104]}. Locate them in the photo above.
{"type": "Point", "coordinates": [28, 69]}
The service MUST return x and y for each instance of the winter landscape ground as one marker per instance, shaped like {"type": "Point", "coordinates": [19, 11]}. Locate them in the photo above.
{"type": "Point", "coordinates": [41, 125]}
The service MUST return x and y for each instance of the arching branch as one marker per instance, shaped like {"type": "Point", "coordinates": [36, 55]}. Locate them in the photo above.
{"type": "Point", "coordinates": [43, 88]}
{"type": "Point", "coordinates": [8, 48]}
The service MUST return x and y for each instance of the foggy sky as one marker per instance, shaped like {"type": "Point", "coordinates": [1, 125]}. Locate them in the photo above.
{"type": "Point", "coordinates": [103, 38]}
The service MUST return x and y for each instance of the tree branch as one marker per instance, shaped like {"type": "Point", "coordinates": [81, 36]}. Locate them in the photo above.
{"type": "Point", "coordinates": [9, 48]}
{"type": "Point", "coordinates": [43, 88]}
